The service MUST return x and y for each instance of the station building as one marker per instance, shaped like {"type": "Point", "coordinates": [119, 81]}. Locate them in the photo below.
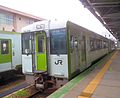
{"type": "Point", "coordinates": [13, 20]}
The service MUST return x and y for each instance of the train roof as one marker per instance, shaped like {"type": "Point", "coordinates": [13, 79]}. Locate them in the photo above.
{"type": "Point", "coordinates": [83, 29]}
{"type": "Point", "coordinates": [53, 24]}
{"type": "Point", "coordinates": [9, 32]}
{"type": "Point", "coordinates": [44, 25]}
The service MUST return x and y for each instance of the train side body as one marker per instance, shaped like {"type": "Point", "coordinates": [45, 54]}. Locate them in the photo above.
{"type": "Point", "coordinates": [10, 52]}
{"type": "Point", "coordinates": [81, 54]}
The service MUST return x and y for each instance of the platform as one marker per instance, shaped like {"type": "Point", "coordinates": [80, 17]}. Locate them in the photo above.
{"type": "Point", "coordinates": [102, 80]}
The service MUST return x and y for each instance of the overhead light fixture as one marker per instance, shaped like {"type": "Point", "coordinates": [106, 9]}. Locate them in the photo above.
{"type": "Point", "coordinates": [104, 22]}
{"type": "Point", "coordinates": [97, 13]}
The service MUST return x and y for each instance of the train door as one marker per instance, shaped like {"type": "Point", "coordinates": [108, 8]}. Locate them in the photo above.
{"type": "Point", "coordinates": [74, 53]}
{"type": "Point", "coordinates": [27, 52]}
{"type": "Point", "coordinates": [83, 52]}
{"type": "Point", "coordinates": [41, 52]}
{"type": "Point", "coordinates": [5, 54]}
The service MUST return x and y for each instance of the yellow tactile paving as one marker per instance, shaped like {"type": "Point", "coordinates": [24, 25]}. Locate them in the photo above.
{"type": "Point", "coordinates": [88, 91]}
{"type": "Point", "coordinates": [82, 97]}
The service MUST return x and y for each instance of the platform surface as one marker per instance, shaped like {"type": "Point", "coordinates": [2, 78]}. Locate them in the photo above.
{"type": "Point", "coordinates": [108, 86]}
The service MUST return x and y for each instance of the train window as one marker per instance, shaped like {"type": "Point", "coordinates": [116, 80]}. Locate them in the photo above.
{"type": "Point", "coordinates": [58, 41]}
{"type": "Point", "coordinates": [95, 44]}
{"type": "Point", "coordinates": [71, 43]}
{"type": "Point", "coordinates": [98, 44]}
{"type": "Point", "coordinates": [27, 43]}
{"type": "Point", "coordinates": [76, 43]}
{"type": "Point", "coordinates": [40, 43]}
{"type": "Point", "coordinates": [104, 44]}
{"type": "Point", "coordinates": [92, 44]}
{"type": "Point", "coordinates": [83, 48]}
{"type": "Point", "coordinates": [4, 47]}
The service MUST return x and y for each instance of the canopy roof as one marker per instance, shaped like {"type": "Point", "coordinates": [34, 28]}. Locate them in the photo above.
{"type": "Point", "coordinates": [108, 12]}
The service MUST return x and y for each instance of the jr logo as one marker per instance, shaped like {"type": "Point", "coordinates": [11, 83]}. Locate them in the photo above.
{"type": "Point", "coordinates": [58, 62]}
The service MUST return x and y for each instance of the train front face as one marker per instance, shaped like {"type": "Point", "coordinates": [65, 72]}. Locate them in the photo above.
{"type": "Point", "coordinates": [33, 55]}
{"type": "Point", "coordinates": [58, 53]}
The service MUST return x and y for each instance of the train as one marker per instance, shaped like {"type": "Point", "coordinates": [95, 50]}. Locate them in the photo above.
{"type": "Point", "coordinates": [53, 52]}
{"type": "Point", "coordinates": [10, 54]}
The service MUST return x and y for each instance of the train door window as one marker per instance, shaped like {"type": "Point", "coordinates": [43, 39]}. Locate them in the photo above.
{"type": "Point", "coordinates": [27, 39]}
{"type": "Point", "coordinates": [92, 44]}
{"type": "Point", "coordinates": [40, 44]}
{"type": "Point", "coordinates": [97, 44]}
{"type": "Point", "coordinates": [71, 43]}
{"type": "Point", "coordinates": [104, 44]}
{"type": "Point", "coordinates": [4, 47]}
{"type": "Point", "coordinates": [83, 49]}
{"type": "Point", "coordinates": [100, 44]}
{"type": "Point", "coordinates": [76, 42]}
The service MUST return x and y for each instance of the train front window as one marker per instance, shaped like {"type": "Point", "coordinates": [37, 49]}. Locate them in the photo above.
{"type": "Point", "coordinates": [58, 41]}
{"type": "Point", "coordinates": [27, 39]}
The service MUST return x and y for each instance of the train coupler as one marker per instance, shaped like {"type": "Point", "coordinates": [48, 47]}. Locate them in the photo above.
{"type": "Point", "coordinates": [44, 82]}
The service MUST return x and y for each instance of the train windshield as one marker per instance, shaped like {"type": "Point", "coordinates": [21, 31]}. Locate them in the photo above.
{"type": "Point", "coordinates": [58, 41]}
{"type": "Point", "coordinates": [27, 39]}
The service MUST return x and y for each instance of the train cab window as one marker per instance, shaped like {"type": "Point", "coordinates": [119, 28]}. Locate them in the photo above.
{"type": "Point", "coordinates": [4, 47]}
{"type": "Point", "coordinates": [27, 43]}
{"type": "Point", "coordinates": [58, 41]}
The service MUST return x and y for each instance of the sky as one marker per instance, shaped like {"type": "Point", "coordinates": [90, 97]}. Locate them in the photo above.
{"type": "Point", "coordinates": [71, 10]}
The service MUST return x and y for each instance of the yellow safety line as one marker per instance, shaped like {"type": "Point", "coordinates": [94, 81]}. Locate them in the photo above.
{"type": "Point", "coordinates": [88, 91]}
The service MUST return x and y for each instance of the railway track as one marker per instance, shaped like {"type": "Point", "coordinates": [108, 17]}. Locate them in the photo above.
{"type": "Point", "coordinates": [18, 88]}
{"type": "Point", "coordinates": [44, 94]}
{"type": "Point", "coordinates": [29, 92]}
{"type": "Point", "coordinates": [7, 85]}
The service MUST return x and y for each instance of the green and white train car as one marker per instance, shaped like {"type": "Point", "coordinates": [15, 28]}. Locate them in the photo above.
{"type": "Point", "coordinates": [10, 52]}
{"type": "Point", "coordinates": [59, 50]}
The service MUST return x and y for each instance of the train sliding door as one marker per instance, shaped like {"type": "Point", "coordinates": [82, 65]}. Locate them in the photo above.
{"type": "Point", "coordinates": [41, 52]}
{"type": "Point", "coordinates": [83, 52]}
{"type": "Point", "coordinates": [27, 52]}
{"type": "Point", "coordinates": [34, 52]}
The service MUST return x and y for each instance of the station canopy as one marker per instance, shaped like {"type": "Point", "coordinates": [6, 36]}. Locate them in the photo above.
{"type": "Point", "coordinates": [108, 13]}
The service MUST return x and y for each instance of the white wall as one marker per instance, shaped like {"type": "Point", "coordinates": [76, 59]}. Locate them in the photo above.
{"type": "Point", "coordinates": [21, 21]}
